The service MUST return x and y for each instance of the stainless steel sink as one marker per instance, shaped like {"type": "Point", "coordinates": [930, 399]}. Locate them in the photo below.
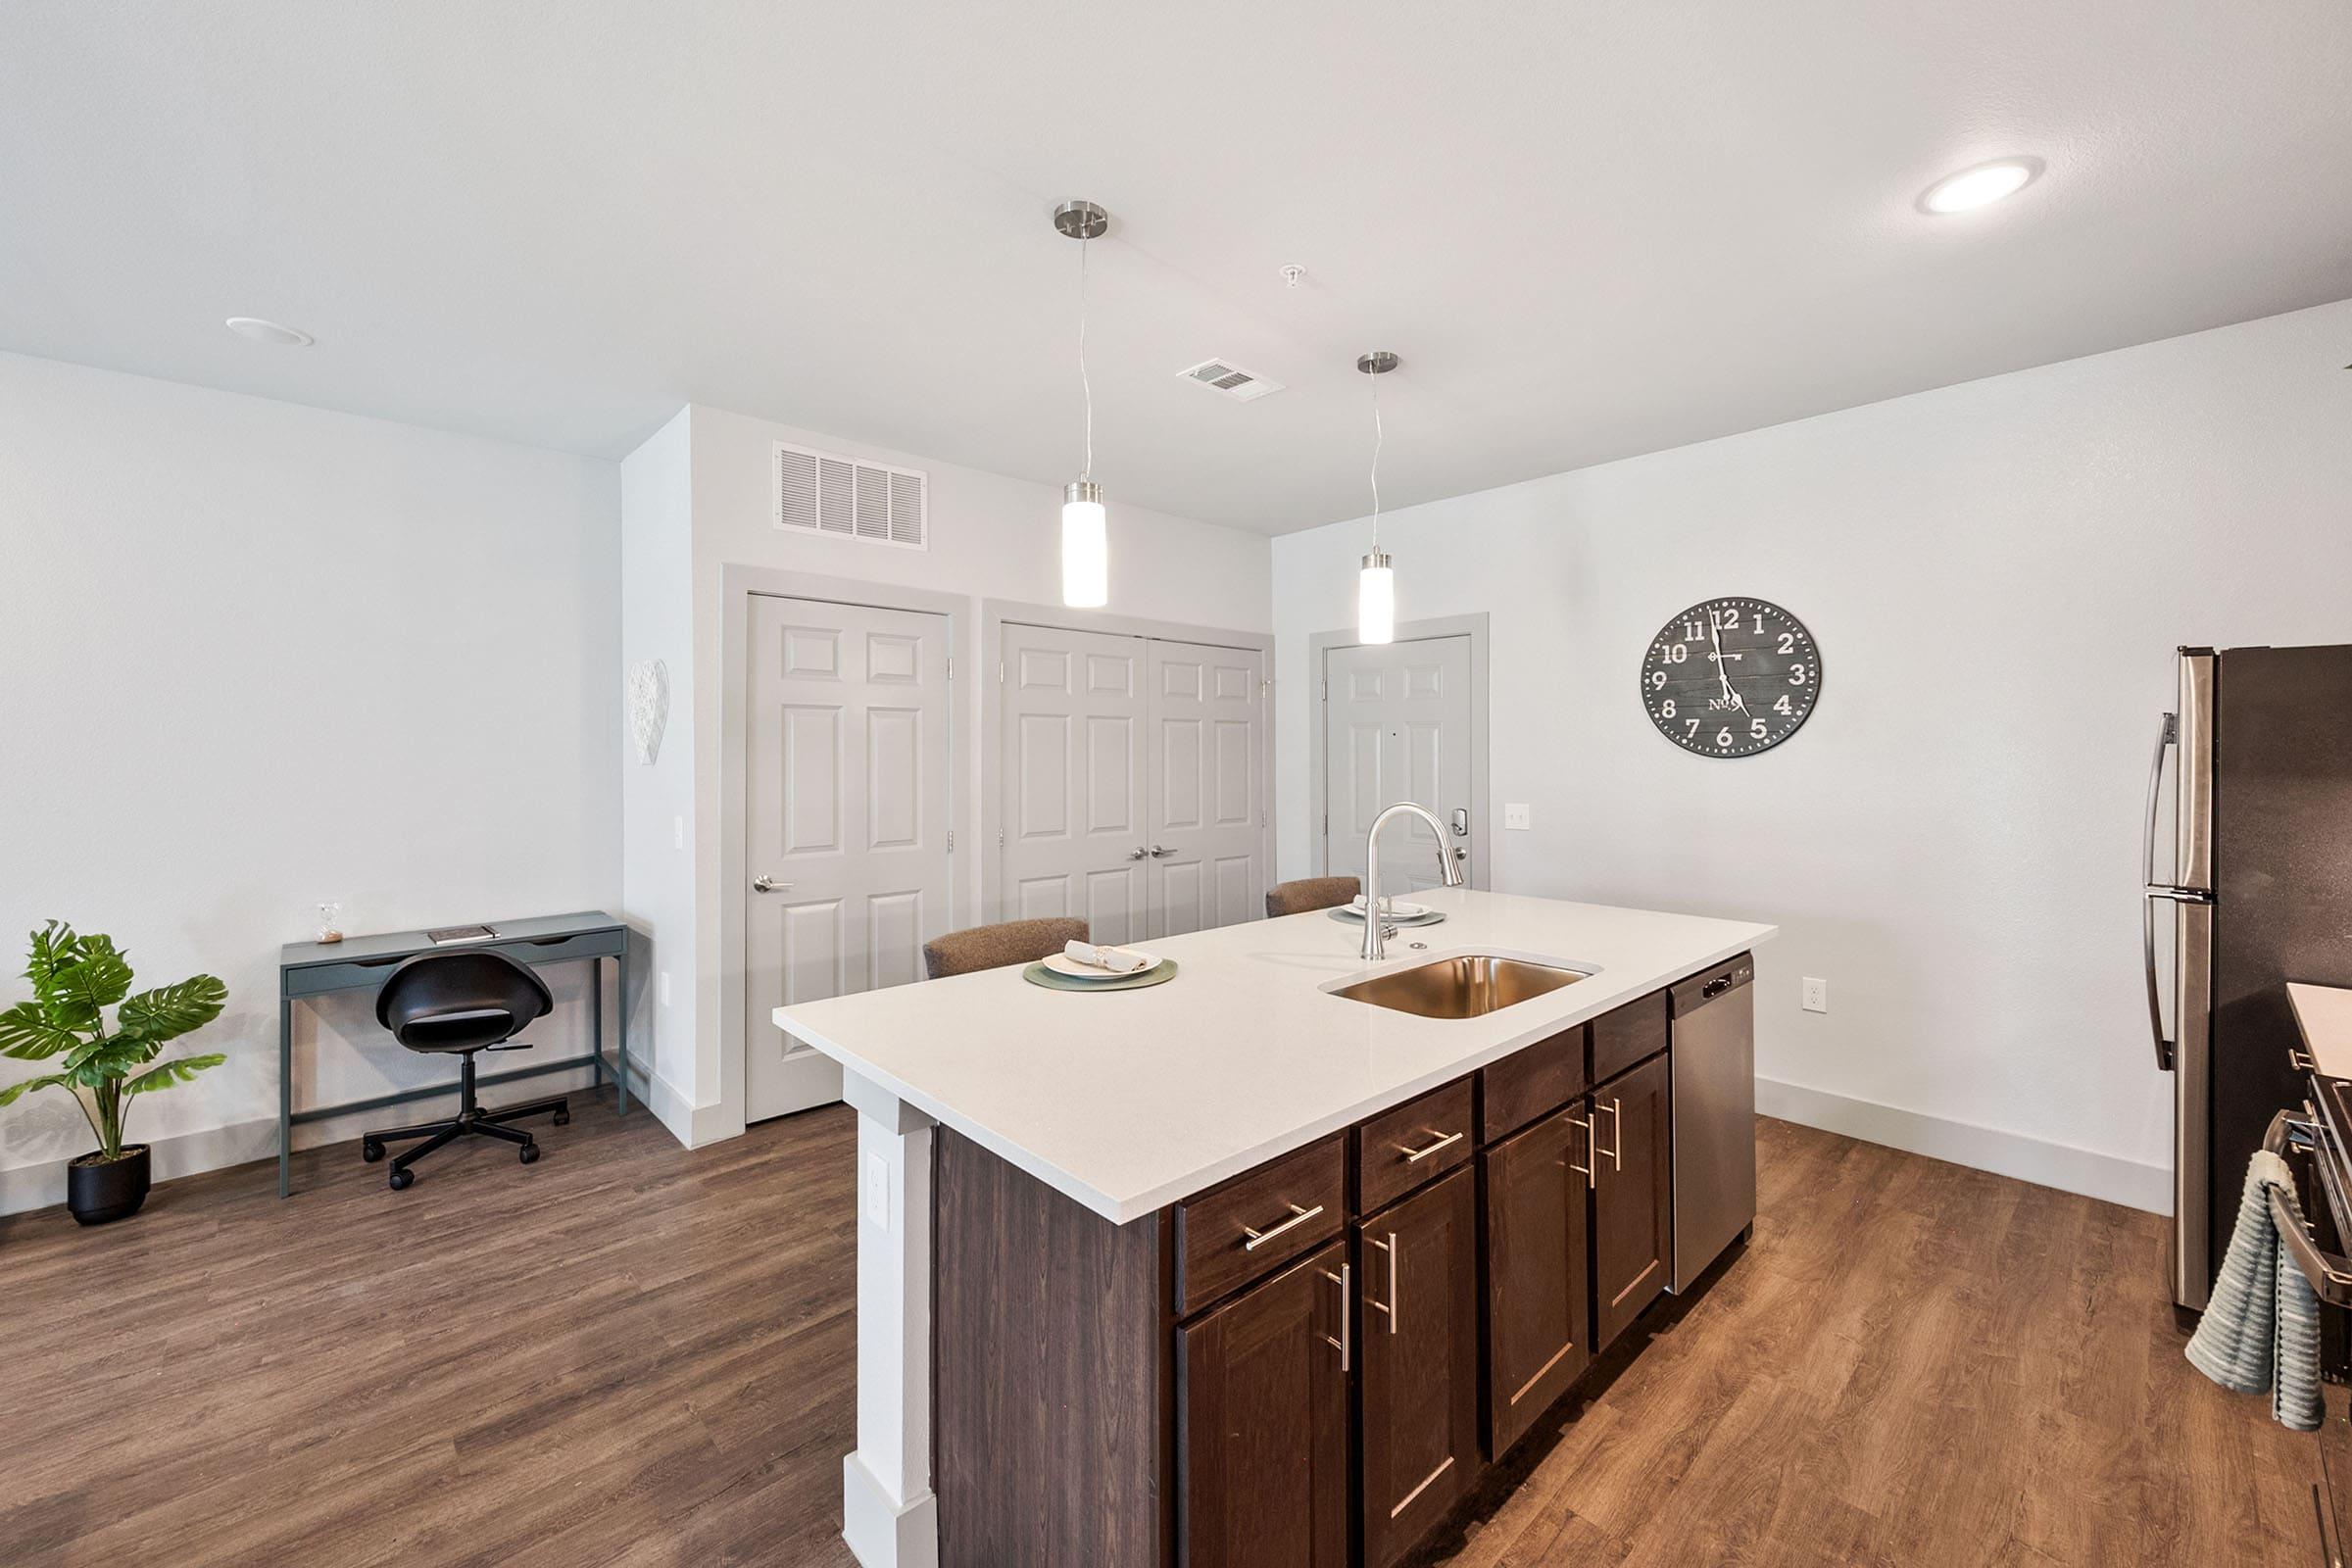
{"type": "Point", "coordinates": [1465, 987]}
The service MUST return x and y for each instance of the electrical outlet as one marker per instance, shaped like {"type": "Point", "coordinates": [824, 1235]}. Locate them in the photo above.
{"type": "Point", "coordinates": [661, 985]}
{"type": "Point", "coordinates": [877, 1191]}
{"type": "Point", "coordinates": [1515, 816]}
{"type": "Point", "coordinates": [1816, 995]}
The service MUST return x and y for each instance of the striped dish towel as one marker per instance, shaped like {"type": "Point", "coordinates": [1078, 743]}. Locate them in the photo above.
{"type": "Point", "coordinates": [2261, 1334]}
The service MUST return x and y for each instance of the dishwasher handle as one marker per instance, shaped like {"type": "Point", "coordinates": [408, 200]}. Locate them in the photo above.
{"type": "Point", "coordinates": [1713, 985]}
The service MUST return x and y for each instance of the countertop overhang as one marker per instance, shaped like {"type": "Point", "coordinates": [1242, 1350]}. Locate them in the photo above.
{"type": "Point", "coordinates": [1130, 1100]}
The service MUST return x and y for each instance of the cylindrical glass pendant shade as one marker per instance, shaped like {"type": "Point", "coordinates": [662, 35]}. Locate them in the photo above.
{"type": "Point", "coordinates": [1376, 600]}
{"type": "Point", "coordinates": [1085, 547]}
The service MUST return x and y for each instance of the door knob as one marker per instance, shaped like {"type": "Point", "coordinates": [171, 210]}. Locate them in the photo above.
{"type": "Point", "coordinates": [763, 884]}
{"type": "Point", "coordinates": [1138, 852]}
{"type": "Point", "coordinates": [1157, 851]}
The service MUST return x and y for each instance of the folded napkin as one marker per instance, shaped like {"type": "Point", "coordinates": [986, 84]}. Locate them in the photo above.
{"type": "Point", "coordinates": [1119, 960]}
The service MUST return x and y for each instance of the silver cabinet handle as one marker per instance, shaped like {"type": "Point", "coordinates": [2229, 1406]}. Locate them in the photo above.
{"type": "Point", "coordinates": [1616, 1139]}
{"type": "Point", "coordinates": [1585, 1170]}
{"type": "Point", "coordinates": [1346, 1342]}
{"type": "Point", "coordinates": [1414, 1156]}
{"type": "Point", "coordinates": [1298, 1217]}
{"type": "Point", "coordinates": [761, 884]}
{"type": "Point", "coordinates": [1390, 1305]}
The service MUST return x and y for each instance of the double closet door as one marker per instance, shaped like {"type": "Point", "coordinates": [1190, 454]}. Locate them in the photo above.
{"type": "Point", "coordinates": [1131, 785]}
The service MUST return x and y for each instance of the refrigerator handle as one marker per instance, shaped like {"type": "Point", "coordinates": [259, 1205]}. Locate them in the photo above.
{"type": "Point", "coordinates": [2166, 735]}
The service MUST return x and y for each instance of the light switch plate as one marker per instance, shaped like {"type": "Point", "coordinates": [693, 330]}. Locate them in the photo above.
{"type": "Point", "coordinates": [1516, 816]}
{"type": "Point", "coordinates": [877, 1191]}
{"type": "Point", "coordinates": [1816, 995]}
{"type": "Point", "coordinates": [662, 984]}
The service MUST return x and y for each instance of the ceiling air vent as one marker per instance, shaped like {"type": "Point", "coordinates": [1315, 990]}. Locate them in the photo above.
{"type": "Point", "coordinates": [1218, 376]}
{"type": "Point", "coordinates": [821, 491]}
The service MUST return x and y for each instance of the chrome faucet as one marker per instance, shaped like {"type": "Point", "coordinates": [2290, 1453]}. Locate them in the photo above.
{"type": "Point", "coordinates": [1449, 866]}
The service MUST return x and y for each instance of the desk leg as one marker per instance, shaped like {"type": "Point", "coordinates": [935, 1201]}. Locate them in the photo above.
{"type": "Point", "coordinates": [285, 1096]}
{"type": "Point", "coordinates": [621, 1079]}
{"type": "Point", "coordinates": [596, 1023]}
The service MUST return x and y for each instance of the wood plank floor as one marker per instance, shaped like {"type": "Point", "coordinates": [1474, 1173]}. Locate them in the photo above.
{"type": "Point", "coordinates": [638, 1356]}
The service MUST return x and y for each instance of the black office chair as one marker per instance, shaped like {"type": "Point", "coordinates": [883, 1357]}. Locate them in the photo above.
{"type": "Point", "coordinates": [464, 1000]}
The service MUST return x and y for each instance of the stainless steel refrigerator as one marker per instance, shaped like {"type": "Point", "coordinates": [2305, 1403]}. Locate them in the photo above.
{"type": "Point", "coordinates": [2249, 889]}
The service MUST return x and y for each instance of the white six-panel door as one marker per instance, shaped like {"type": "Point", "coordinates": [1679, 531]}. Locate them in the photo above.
{"type": "Point", "coordinates": [1131, 782]}
{"type": "Point", "coordinates": [1206, 861]}
{"type": "Point", "coordinates": [1397, 728]}
{"type": "Point", "coordinates": [847, 820]}
{"type": "Point", "coordinates": [1072, 786]}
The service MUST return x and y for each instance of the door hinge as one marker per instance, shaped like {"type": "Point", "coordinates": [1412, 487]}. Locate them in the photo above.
{"type": "Point", "coordinates": [951, 666]}
{"type": "Point", "coordinates": [950, 841]}
{"type": "Point", "coordinates": [1000, 672]}
{"type": "Point", "coordinates": [1326, 690]}
{"type": "Point", "coordinates": [999, 838]}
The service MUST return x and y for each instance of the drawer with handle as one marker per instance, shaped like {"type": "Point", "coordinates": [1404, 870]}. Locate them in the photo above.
{"type": "Point", "coordinates": [1627, 1035]}
{"type": "Point", "coordinates": [1531, 1084]}
{"type": "Point", "coordinates": [1418, 1141]}
{"type": "Point", "coordinates": [1252, 1224]}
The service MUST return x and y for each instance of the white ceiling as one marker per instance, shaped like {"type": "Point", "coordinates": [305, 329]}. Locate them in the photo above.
{"type": "Point", "coordinates": [1590, 229]}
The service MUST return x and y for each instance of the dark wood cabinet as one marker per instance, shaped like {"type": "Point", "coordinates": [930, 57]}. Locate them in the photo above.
{"type": "Point", "coordinates": [1417, 1280]}
{"type": "Point", "coordinates": [1539, 1288]}
{"type": "Point", "coordinates": [1632, 1195]}
{"type": "Point", "coordinates": [1263, 1417]}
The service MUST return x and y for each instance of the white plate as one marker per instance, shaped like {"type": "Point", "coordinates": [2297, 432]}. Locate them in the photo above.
{"type": "Point", "coordinates": [1064, 964]}
{"type": "Point", "coordinates": [1398, 909]}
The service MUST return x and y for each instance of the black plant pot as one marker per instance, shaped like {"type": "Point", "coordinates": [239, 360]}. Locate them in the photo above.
{"type": "Point", "coordinates": [98, 1189]}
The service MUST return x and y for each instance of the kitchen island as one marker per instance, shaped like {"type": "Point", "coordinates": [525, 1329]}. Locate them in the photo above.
{"type": "Point", "coordinates": [1205, 1272]}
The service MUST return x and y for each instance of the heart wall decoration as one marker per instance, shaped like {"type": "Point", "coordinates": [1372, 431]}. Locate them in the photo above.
{"type": "Point", "coordinates": [649, 707]}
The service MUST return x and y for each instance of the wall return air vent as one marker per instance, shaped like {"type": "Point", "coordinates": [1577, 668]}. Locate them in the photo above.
{"type": "Point", "coordinates": [849, 498]}
{"type": "Point", "coordinates": [1222, 375]}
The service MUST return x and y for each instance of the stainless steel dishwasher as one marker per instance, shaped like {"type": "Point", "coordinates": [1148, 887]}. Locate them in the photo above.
{"type": "Point", "coordinates": [1714, 1060]}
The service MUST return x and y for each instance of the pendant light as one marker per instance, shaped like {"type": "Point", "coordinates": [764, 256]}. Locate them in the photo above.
{"type": "Point", "coordinates": [1085, 528]}
{"type": "Point", "coordinates": [1376, 587]}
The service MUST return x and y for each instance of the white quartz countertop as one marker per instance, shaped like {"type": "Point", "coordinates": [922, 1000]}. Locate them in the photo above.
{"type": "Point", "coordinates": [1129, 1100]}
{"type": "Point", "coordinates": [2325, 1013]}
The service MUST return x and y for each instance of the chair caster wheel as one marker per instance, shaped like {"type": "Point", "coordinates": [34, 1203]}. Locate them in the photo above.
{"type": "Point", "coordinates": [401, 1178]}
{"type": "Point", "coordinates": [562, 1118]}
{"type": "Point", "coordinates": [529, 1154]}
{"type": "Point", "coordinates": [370, 1151]}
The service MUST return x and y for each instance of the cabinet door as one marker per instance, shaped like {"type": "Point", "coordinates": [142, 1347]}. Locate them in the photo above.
{"type": "Point", "coordinates": [1539, 1291]}
{"type": "Point", "coordinates": [1632, 1195]}
{"type": "Point", "coordinates": [1417, 1277]}
{"type": "Point", "coordinates": [1264, 1406]}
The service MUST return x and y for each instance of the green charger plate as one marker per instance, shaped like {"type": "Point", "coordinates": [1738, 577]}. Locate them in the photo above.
{"type": "Point", "coordinates": [1037, 974]}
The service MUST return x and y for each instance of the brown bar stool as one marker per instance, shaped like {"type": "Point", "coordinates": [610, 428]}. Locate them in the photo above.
{"type": "Point", "coordinates": [1310, 893]}
{"type": "Point", "coordinates": [991, 947]}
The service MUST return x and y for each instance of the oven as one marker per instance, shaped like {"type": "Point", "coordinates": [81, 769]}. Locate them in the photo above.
{"type": "Point", "coordinates": [2313, 1147]}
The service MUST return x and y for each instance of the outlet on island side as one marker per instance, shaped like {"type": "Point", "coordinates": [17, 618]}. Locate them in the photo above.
{"type": "Point", "coordinates": [1816, 995]}
{"type": "Point", "coordinates": [877, 1191]}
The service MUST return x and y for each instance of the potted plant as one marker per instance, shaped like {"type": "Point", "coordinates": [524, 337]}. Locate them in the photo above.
{"type": "Point", "coordinates": [74, 979]}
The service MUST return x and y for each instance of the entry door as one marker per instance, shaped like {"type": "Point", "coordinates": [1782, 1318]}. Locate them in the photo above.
{"type": "Point", "coordinates": [847, 821]}
{"type": "Point", "coordinates": [1207, 868]}
{"type": "Point", "coordinates": [1072, 751]}
{"type": "Point", "coordinates": [1397, 728]}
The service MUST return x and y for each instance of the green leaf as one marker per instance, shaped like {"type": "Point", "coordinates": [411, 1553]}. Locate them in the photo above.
{"type": "Point", "coordinates": [178, 1070]}
{"type": "Point", "coordinates": [96, 977]}
{"type": "Point", "coordinates": [110, 1058]}
{"type": "Point", "coordinates": [169, 1011]}
{"type": "Point", "coordinates": [8, 1096]}
{"type": "Point", "coordinates": [26, 1033]}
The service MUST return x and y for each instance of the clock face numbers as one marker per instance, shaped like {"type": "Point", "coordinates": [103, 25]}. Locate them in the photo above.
{"type": "Point", "coordinates": [1731, 677]}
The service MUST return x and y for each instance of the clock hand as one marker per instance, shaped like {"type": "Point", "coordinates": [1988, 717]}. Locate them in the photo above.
{"type": "Point", "coordinates": [1715, 635]}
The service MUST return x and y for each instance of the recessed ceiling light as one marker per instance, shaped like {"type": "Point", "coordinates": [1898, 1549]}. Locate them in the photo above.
{"type": "Point", "coordinates": [260, 332]}
{"type": "Point", "coordinates": [1979, 187]}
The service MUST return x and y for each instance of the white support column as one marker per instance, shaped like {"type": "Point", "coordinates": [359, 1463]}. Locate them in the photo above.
{"type": "Point", "coordinates": [889, 1514]}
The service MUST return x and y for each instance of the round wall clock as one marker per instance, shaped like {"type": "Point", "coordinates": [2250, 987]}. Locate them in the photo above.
{"type": "Point", "coordinates": [1731, 677]}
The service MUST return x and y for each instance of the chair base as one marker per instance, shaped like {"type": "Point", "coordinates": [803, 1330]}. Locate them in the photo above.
{"type": "Point", "coordinates": [470, 1121]}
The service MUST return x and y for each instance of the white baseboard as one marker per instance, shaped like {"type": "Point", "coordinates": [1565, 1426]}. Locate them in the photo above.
{"type": "Point", "coordinates": [42, 1184]}
{"type": "Point", "coordinates": [2109, 1177]}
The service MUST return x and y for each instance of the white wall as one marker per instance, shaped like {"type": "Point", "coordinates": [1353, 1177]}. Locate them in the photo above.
{"type": "Point", "coordinates": [657, 820]}
{"type": "Point", "coordinates": [991, 537]}
{"type": "Point", "coordinates": [252, 656]}
{"type": "Point", "coordinates": [1996, 574]}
